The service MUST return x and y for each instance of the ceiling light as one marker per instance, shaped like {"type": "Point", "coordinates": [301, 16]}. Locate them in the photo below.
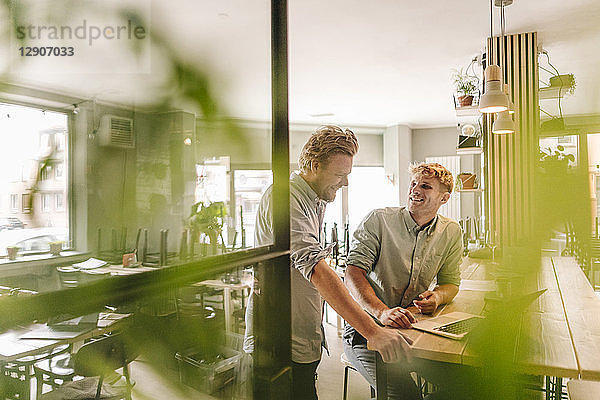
{"type": "Point", "coordinates": [493, 99]}
{"type": "Point", "coordinates": [325, 114]}
{"type": "Point", "coordinates": [503, 124]}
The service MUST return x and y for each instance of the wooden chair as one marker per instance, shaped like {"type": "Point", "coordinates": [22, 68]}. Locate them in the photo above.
{"type": "Point", "coordinates": [95, 361]}
{"type": "Point", "coordinates": [53, 372]}
{"type": "Point", "coordinates": [15, 376]}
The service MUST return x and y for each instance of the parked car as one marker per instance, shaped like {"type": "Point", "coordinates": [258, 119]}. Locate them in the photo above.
{"type": "Point", "coordinates": [31, 240]}
{"type": "Point", "coordinates": [11, 223]}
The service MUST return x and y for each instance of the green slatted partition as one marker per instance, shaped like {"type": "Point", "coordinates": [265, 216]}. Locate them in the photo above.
{"type": "Point", "coordinates": [510, 158]}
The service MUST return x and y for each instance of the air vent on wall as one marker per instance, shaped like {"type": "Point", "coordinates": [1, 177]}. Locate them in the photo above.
{"type": "Point", "coordinates": [116, 132]}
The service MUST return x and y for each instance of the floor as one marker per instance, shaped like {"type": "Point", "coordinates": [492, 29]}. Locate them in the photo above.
{"type": "Point", "coordinates": [159, 385]}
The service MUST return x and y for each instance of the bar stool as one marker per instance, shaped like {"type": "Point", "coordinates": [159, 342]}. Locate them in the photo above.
{"type": "Point", "coordinates": [348, 366]}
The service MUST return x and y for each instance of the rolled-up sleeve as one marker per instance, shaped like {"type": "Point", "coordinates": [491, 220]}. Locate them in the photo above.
{"type": "Point", "coordinates": [449, 273]}
{"type": "Point", "coordinates": [366, 243]}
{"type": "Point", "coordinates": [305, 249]}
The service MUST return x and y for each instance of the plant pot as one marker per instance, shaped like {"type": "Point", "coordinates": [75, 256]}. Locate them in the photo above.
{"type": "Point", "coordinates": [467, 181]}
{"type": "Point", "coordinates": [465, 100]}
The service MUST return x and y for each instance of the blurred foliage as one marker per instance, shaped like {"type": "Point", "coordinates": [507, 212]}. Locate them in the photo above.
{"type": "Point", "coordinates": [156, 336]}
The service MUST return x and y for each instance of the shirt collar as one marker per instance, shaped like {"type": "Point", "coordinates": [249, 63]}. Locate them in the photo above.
{"type": "Point", "coordinates": [304, 188]}
{"type": "Point", "coordinates": [412, 226]}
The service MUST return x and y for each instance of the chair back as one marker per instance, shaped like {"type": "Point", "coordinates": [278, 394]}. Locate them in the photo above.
{"type": "Point", "coordinates": [103, 355]}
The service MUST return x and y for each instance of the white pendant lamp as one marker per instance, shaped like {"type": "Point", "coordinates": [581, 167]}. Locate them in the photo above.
{"type": "Point", "coordinates": [511, 105]}
{"type": "Point", "coordinates": [493, 100]}
{"type": "Point", "coordinates": [503, 124]}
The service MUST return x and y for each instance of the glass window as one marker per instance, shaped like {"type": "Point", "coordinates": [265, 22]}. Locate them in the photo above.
{"type": "Point", "coordinates": [14, 202]}
{"type": "Point", "coordinates": [46, 172]}
{"type": "Point", "coordinates": [26, 203]}
{"type": "Point", "coordinates": [36, 135]}
{"type": "Point", "coordinates": [59, 204]}
{"type": "Point", "coordinates": [58, 171]}
{"type": "Point", "coordinates": [361, 201]}
{"type": "Point", "coordinates": [249, 186]}
{"type": "Point", "coordinates": [45, 202]}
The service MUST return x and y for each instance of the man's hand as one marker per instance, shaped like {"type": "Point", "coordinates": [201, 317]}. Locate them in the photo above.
{"type": "Point", "coordinates": [429, 302]}
{"type": "Point", "coordinates": [397, 317]}
{"type": "Point", "coordinates": [391, 344]}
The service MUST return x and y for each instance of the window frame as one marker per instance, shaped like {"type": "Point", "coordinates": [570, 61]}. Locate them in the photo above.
{"type": "Point", "coordinates": [47, 101]}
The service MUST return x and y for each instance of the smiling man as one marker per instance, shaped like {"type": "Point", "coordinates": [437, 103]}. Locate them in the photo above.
{"type": "Point", "coordinates": [396, 254]}
{"type": "Point", "coordinates": [325, 163]}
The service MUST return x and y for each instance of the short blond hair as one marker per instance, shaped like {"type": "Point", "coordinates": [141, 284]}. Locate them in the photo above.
{"type": "Point", "coordinates": [325, 142]}
{"type": "Point", "coordinates": [434, 170]}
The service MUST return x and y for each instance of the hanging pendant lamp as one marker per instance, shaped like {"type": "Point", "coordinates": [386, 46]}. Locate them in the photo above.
{"type": "Point", "coordinates": [493, 100]}
{"type": "Point", "coordinates": [511, 105]}
{"type": "Point", "coordinates": [503, 124]}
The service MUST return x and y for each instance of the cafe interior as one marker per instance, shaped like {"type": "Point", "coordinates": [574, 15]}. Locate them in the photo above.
{"type": "Point", "coordinates": [139, 136]}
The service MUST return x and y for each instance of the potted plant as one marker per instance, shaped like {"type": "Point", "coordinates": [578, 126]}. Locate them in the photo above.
{"type": "Point", "coordinates": [207, 220]}
{"type": "Point", "coordinates": [557, 161]}
{"type": "Point", "coordinates": [565, 82]}
{"type": "Point", "coordinates": [466, 180]}
{"type": "Point", "coordinates": [466, 86]}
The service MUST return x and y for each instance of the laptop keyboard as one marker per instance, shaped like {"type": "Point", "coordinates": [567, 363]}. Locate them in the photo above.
{"type": "Point", "coordinates": [459, 327]}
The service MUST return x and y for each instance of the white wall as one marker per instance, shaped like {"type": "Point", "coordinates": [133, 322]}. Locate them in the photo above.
{"type": "Point", "coordinates": [397, 156]}
{"type": "Point", "coordinates": [433, 142]}
{"type": "Point", "coordinates": [251, 146]}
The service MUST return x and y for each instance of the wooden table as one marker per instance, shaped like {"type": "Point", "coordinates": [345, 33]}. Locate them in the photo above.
{"type": "Point", "coordinates": [13, 346]}
{"type": "Point", "coordinates": [559, 332]}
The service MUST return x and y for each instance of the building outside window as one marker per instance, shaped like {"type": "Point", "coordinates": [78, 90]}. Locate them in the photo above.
{"type": "Point", "coordinates": [14, 202]}
{"type": "Point", "coordinates": [45, 202]}
{"type": "Point", "coordinates": [35, 135]}
{"type": "Point", "coordinates": [59, 204]}
{"type": "Point", "coordinates": [46, 173]}
{"type": "Point", "coordinates": [26, 203]}
{"type": "Point", "coordinates": [249, 185]}
{"type": "Point", "coordinates": [58, 171]}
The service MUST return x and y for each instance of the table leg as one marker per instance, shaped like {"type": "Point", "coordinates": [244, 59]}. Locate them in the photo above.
{"type": "Point", "coordinates": [227, 308]}
{"type": "Point", "coordinates": [380, 377]}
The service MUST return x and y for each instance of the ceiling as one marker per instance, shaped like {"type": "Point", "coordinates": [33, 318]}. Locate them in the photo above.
{"type": "Point", "coordinates": [351, 62]}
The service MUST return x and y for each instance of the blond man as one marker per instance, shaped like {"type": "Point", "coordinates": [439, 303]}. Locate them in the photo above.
{"type": "Point", "coordinates": [325, 163]}
{"type": "Point", "coordinates": [396, 254]}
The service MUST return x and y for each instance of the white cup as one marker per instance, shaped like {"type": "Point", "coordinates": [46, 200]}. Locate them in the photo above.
{"type": "Point", "coordinates": [12, 252]}
{"type": "Point", "coordinates": [55, 248]}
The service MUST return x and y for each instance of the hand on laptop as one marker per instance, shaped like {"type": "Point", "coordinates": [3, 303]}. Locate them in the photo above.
{"type": "Point", "coordinates": [397, 317]}
{"type": "Point", "coordinates": [391, 344]}
{"type": "Point", "coordinates": [428, 303]}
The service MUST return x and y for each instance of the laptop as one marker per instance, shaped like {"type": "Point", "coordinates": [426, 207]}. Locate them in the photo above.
{"type": "Point", "coordinates": [61, 328]}
{"type": "Point", "coordinates": [456, 325]}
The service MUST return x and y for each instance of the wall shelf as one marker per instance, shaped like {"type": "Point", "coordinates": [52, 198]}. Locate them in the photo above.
{"type": "Point", "coordinates": [552, 92]}
{"type": "Point", "coordinates": [469, 111]}
{"type": "Point", "coordinates": [469, 150]}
